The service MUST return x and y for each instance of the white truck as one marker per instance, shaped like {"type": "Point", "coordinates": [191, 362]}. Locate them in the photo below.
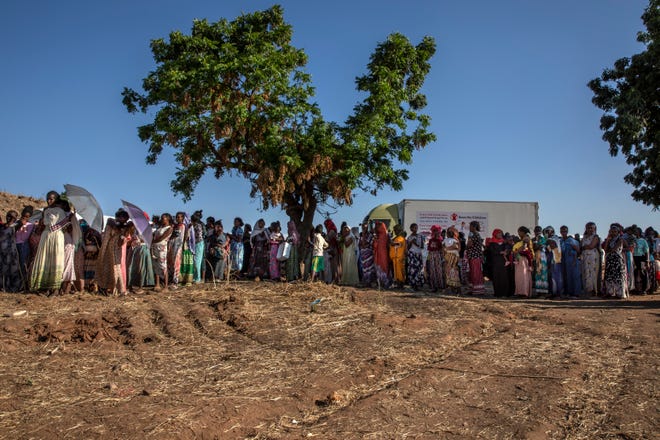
{"type": "Point", "coordinates": [507, 216]}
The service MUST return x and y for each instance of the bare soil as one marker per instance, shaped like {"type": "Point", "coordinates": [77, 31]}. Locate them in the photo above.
{"type": "Point", "coordinates": [255, 360]}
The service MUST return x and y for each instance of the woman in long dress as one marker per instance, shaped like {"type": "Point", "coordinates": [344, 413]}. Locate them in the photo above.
{"type": "Point", "coordinates": [415, 260]}
{"type": "Point", "coordinates": [435, 260]}
{"type": "Point", "coordinates": [398, 256]}
{"type": "Point", "coordinates": [112, 267]}
{"type": "Point", "coordinates": [236, 245]}
{"type": "Point", "coordinates": [451, 253]}
{"type": "Point", "coordinates": [48, 264]}
{"type": "Point", "coordinates": [349, 264]}
{"type": "Point", "coordinates": [616, 281]}
{"type": "Point", "coordinates": [260, 242]}
{"type": "Point", "coordinates": [381, 256]}
{"type": "Point", "coordinates": [159, 251]}
{"type": "Point", "coordinates": [366, 248]}
{"type": "Point", "coordinates": [198, 233]}
{"type": "Point", "coordinates": [275, 239]}
{"type": "Point", "coordinates": [591, 260]}
{"type": "Point", "coordinates": [474, 252]}
{"type": "Point", "coordinates": [497, 258]}
{"type": "Point", "coordinates": [293, 261]}
{"type": "Point", "coordinates": [539, 243]}
{"type": "Point", "coordinates": [175, 249]}
{"type": "Point", "coordinates": [10, 273]}
{"type": "Point", "coordinates": [522, 261]}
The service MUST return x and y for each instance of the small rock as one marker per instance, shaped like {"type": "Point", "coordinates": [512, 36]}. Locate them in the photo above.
{"type": "Point", "coordinates": [19, 313]}
{"type": "Point", "coordinates": [111, 386]}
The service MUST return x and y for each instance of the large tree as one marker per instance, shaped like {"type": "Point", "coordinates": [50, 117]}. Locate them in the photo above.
{"type": "Point", "coordinates": [233, 97]}
{"type": "Point", "coordinates": [629, 94]}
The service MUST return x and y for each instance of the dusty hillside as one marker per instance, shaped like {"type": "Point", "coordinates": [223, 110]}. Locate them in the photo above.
{"type": "Point", "coordinates": [252, 360]}
{"type": "Point", "coordinates": [17, 202]}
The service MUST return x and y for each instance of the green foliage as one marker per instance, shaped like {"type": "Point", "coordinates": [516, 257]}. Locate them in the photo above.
{"type": "Point", "coordinates": [233, 97]}
{"type": "Point", "coordinates": [629, 95]}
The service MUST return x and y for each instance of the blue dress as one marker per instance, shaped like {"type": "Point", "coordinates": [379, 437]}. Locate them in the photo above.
{"type": "Point", "coordinates": [571, 266]}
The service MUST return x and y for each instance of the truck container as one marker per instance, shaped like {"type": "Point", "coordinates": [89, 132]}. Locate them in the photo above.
{"type": "Point", "coordinates": [507, 216]}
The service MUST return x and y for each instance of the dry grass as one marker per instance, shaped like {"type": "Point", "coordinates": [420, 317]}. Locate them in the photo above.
{"type": "Point", "coordinates": [253, 360]}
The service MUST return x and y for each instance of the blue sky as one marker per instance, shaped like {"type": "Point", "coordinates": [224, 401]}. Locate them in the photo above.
{"type": "Point", "coordinates": [507, 95]}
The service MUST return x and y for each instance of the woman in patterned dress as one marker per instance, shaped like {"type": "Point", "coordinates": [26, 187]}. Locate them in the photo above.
{"type": "Point", "coordinates": [159, 251]}
{"type": "Point", "coordinates": [415, 260]}
{"type": "Point", "coordinates": [591, 261]}
{"type": "Point", "coordinates": [366, 249]}
{"type": "Point", "coordinates": [474, 252]}
{"type": "Point", "coordinates": [435, 260]}
{"type": "Point", "coordinates": [616, 280]}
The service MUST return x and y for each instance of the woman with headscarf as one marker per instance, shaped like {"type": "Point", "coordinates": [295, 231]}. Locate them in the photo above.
{"type": "Point", "coordinates": [381, 256]}
{"type": "Point", "coordinates": [159, 251]}
{"type": "Point", "coordinates": [366, 249]}
{"type": "Point", "coordinates": [539, 243]}
{"type": "Point", "coordinates": [10, 268]}
{"type": "Point", "coordinates": [275, 239]}
{"type": "Point", "coordinates": [199, 236]}
{"type": "Point", "coordinates": [48, 263]}
{"type": "Point", "coordinates": [556, 277]}
{"type": "Point", "coordinates": [333, 251]}
{"type": "Point", "coordinates": [141, 271]}
{"type": "Point", "coordinates": [112, 265]}
{"type": "Point", "coordinates": [293, 261]}
{"type": "Point", "coordinates": [522, 262]}
{"type": "Point", "coordinates": [451, 253]}
{"type": "Point", "coordinates": [260, 242]}
{"type": "Point", "coordinates": [236, 246]}
{"type": "Point", "coordinates": [474, 252]}
{"type": "Point", "coordinates": [415, 258]}
{"type": "Point", "coordinates": [398, 256]}
{"type": "Point", "coordinates": [615, 283]}
{"type": "Point", "coordinates": [591, 260]}
{"type": "Point", "coordinates": [72, 242]}
{"type": "Point", "coordinates": [497, 260]}
{"type": "Point", "coordinates": [175, 249]}
{"type": "Point", "coordinates": [435, 260]}
{"type": "Point", "coordinates": [187, 271]}
{"type": "Point", "coordinates": [349, 264]}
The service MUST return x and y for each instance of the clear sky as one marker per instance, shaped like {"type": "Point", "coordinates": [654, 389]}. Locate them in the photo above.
{"type": "Point", "coordinates": [507, 95]}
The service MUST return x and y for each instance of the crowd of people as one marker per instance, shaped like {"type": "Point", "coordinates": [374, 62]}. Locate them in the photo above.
{"type": "Point", "coordinates": [60, 254]}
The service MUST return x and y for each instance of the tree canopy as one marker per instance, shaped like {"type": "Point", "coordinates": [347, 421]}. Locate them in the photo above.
{"type": "Point", "coordinates": [629, 94]}
{"type": "Point", "coordinates": [233, 97]}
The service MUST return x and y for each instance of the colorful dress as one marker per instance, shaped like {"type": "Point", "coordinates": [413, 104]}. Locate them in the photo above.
{"type": "Point", "coordinates": [365, 246]}
{"type": "Point", "coordinates": [198, 260]}
{"type": "Point", "coordinates": [591, 264]}
{"type": "Point", "coordinates": [435, 263]}
{"type": "Point", "coordinates": [555, 265]}
{"type": "Point", "coordinates": [522, 270]}
{"type": "Point", "coordinates": [616, 281]}
{"type": "Point", "coordinates": [398, 257]}
{"type": "Point", "coordinates": [159, 251]}
{"type": "Point", "coordinates": [381, 256]}
{"type": "Point", "coordinates": [141, 271]}
{"type": "Point", "coordinates": [48, 264]}
{"type": "Point", "coordinates": [540, 265]}
{"type": "Point", "coordinates": [451, 256]}
{"type": "Point", "coordinates": [260, 253]}
{"type": "Point", "coordinates": [276, 239]}
{"type": "Point", "coordinates": [415, 262]}
{"type": "Point", "coordinates": [187, 271]}
{"type": "Point", "coordinates": [175, 252]}
{"type": "Point", "coordinates": [111, 270]}
{"type": "Point", "coordinates": [474, 253]}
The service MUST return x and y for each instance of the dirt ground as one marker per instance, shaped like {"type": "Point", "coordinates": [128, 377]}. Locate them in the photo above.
{"type": "Point", "coordinates": [253, 360]}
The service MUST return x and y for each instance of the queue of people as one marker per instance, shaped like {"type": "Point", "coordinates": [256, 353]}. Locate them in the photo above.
{"type": "Point", "coordinates": [60, 254]}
